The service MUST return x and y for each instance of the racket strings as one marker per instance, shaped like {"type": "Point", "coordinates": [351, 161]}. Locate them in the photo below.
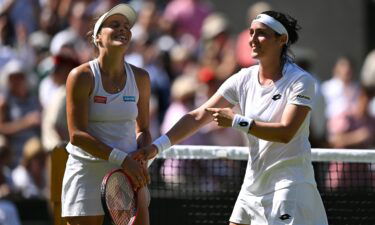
{"type": "Point", "coordinates": [120, 199]}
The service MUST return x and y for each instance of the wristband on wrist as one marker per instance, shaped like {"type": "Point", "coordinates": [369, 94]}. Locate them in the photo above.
{"type": "Point", "coordinates": [242, 123]}
{"type": "Point", "coordinates": [162, 143]}
{"type": "Point", "coordinates": [117, 156]}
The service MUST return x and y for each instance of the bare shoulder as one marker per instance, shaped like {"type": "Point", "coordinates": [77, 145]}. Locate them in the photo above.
{"type": "Point", "coordinates": [81, 72]}
{"type": "Point", "coordinates": [140, 73]}
{"type": "Point", "coordinates": [141, 76]}
{"type": "Point", "coordinates": [81, 77]}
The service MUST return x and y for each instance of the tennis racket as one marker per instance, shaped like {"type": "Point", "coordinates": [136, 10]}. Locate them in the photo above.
{"type": "Point", "coordinates": [118, 197]}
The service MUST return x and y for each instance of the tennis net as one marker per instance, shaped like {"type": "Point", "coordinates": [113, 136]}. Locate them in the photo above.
{"type": "Point", "coordinates": [199, 184]}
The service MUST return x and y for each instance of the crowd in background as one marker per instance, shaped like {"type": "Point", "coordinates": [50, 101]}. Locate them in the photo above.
{"type": "Point", "coordinates": [188, 49]}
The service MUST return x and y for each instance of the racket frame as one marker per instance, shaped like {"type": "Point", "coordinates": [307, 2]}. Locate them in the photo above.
{"type": "Point", "coordinates": [103, 189]}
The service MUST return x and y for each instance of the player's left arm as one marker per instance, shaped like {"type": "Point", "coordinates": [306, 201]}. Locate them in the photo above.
{"type": "Point", "coordinates": [143, 119]}
{"type": "Point", "coordinates": [292, 119]}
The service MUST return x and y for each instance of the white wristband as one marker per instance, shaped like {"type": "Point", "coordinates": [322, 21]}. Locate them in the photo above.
{"type": "Point", "coordinates": [117, 156]}
{"type": "Point", "coordinates": [162, 143]}
{"type": "Point", "coordinates": [242, 123]}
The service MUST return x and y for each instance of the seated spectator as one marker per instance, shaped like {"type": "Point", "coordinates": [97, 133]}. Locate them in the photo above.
{"type": "Point", "coordinates": [19, 108]}
{"type": "Point", "coordinates": [29, 177]}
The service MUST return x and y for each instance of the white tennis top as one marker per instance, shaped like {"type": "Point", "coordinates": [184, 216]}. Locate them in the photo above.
{"type": "Point", "coordinates": [273, 165]}
{"type": "Point", "coordinates": [112, 117]}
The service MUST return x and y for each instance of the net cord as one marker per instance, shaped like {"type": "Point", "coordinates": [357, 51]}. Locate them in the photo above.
{"type": "Point", "coordinates": [241, 153]}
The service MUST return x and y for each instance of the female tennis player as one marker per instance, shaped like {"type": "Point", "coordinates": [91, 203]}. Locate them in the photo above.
{"type": "Point", "coordinates": [108, 118]}
{"type": "Point", "coordinates": [275, 98]}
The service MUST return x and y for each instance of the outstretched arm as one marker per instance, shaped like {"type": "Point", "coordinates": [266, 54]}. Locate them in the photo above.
{"type": "Point", "coordinates": [186, 126]}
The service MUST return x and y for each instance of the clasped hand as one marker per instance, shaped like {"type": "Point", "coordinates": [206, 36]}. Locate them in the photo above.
{"type": "Point", "coordinates": [222, 116]}
{"type": "Point", "coordinates": [145, 153]}
{"type": "Point", "coordinates": [136, 167]}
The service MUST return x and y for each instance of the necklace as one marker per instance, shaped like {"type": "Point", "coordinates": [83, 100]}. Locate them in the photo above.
{"type": "Point", "coordinates": [117, 86]}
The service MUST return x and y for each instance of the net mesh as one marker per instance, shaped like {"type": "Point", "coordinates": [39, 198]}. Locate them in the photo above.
{"type": "Point", "coordinates": [120, 199]}
{"type": "Point", "coordinates": [199, 184]}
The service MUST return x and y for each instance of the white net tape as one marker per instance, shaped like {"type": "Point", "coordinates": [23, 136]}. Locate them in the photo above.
{"type": "Point", "coordinates": [241, 153]}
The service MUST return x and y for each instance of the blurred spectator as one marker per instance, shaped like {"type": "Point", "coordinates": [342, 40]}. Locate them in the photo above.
{"type": "Point", "coordinates": [176, 172]}
{"type": "Point", "coordinates": [184, 19]}
{"type": "Point", "coordinates": [368, 78]}
{"type": "Point", "coordinates": [13, 43]}
{"type": "Point", "coordinates": [183, 96]}
{"type": "Point", "coordinates": [29, 177]}
{"type": "Point", "coordinates": [351, 126]}
{"type": "Point", "coordinates": [22, 13]}
{"type": "Point", "coordinates": [8, 211]}
{"type": "Point", "coordinates": [340, 93]}
{"type": "Point", "coordinates": [146, 28]}
{"type": "Point", "coordinates": [19, 108]}
{"type": "Point", "coordinates": [243, 50]}
{"type": "Point", "coordinates": [217, 47]}
{"type": "Point", "coordinates": [160, 83]}
{"type": "Point", "coordinates": [75, 35]}
{"type": "Point", "coordinates": [6, 182]}
{"type": "Point", "coordinates": [359, 128]}
{"type": "Point", "coordinates": [182, 61]}
{"type": "Point", "coordinates": [52, 96]}
{"type": "Point", "coordinates": [7, 32]}
{"type": "Point", "coordinates": [39, 43]}
{"type": "Point", "coordinates": [62, 63]}
{"type": "Point", "coordinates": [147, 22]}
{"type": "Point", "coordinates": [357, 134]}
{"type": "Point", "coordinates": [318, 128]}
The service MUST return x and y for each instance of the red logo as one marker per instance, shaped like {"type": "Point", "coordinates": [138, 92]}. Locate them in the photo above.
{"type": "Point", "coordinates": [100, 99]}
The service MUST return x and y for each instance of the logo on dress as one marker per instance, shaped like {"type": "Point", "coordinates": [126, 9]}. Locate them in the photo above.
{"type": "Point", "coordinates": [128, 98]}
{"type": "Point", "coordinates": [243, 124]}
{"type": "Point", "coordinates": [285, 217]}
{"type": "Point", "coordinates": [276, 97]}
{"type": "Point", "coordinates": [100, 99]}
{"type": "Point", "coordinates": [303, 96]}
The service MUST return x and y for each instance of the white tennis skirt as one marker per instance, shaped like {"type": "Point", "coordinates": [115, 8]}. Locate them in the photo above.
{"type": "Point", "coordinates": [81, 186]}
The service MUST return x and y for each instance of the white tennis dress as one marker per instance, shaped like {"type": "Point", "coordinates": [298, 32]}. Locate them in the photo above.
{"type": "Point", "coordinates": [274, 166]}
{"type": "Point", "coordinates": [112, 119]}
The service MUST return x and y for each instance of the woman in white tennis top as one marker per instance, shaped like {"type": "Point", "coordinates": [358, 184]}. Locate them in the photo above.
{"type": "Point", "coordinates": [108, 118]}
{"type": "Point", "coordinates": [275, 98]}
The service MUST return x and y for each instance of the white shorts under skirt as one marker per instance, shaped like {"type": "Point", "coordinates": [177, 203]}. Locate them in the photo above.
{"type": "Point", "coordinates": [81, 187]}
{"type": "Point", "coordinates": [299, 204]}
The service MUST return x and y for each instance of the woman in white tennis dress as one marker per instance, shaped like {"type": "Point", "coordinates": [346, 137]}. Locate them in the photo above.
{"type": "Point", "coordinates": [108, 118]}
{"type": "Point", "coordinates": [275, 98]}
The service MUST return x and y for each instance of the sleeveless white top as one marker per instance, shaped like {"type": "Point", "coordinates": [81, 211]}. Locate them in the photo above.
{"type": "Point", "coordinates": [112, 117]}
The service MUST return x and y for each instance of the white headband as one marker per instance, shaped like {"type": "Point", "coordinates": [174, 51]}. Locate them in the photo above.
{"type": "Point", "coordinates": [273, 24]}
{"type": "Point", "coordinates": [123, 9]}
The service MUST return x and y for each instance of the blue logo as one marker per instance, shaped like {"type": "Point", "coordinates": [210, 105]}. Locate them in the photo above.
{"type": "Point", "coordinates": [128, 98]}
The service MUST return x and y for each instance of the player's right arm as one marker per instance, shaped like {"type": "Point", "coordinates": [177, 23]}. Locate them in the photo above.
{"type": "Point", "coordinates": [186, 126]}
{"type": "Point", "coordinates": [79, 86]}
{"type": "Point", "coordinates": [194, 120]}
